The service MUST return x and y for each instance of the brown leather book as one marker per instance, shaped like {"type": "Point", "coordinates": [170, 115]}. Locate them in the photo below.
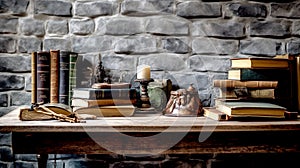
{"type": "Point", "coordinates": [43, 77]}
{"type": "Point", "coordinates": [226, 83]}
{"type": "Point", "coordinates": [54, 76]}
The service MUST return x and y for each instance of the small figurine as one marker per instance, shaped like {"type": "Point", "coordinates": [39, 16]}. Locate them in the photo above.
{"type": "Point", "coordinates": [184, 102]}
{"type": "Point", "coordinates": [101, 76]}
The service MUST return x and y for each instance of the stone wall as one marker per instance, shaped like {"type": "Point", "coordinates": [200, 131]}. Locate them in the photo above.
{"type": "Point", "coordinates": [187, 41]}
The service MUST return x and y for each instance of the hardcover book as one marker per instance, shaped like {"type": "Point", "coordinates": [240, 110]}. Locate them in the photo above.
{"type": "Point", "coordinates": [101, 102]}
{"type": "Point", "coordinates": [247, 74]}
{"type": "Point", "coordinates": [227, 83]}
{"type": "Point", "coordinates": [54, 76]}
{"type": "Point", "coordinates": [259, 62]}
{"type": "Point", "coordinates": [213, 113]}
{"type": "Point", "coordinates": [64, 70]}
{"type": "Point", "coordinates": [43, 77]}
{"type": "Point", "coordinates": [33, 77]}
{"type": "Point", "coordinates": [107, 111]}
{"type": "Point", "coordinates": [93, 93]}
{"type": "Point", "coordinates": [251, 109]}
{"type": "Point", "coordinates": [72, 74]}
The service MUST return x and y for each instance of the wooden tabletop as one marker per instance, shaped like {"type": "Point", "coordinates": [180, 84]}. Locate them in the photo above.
{"type": "Point", "coordinates": [143, 123]}
{"type": "Point", "coordinates": [151, 134]}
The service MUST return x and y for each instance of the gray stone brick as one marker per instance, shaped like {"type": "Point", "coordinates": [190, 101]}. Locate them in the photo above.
{"type": "Point", "coordinates": [176, 45]}
{"type": "Point", "coordinates": [296, 28]}
{"type": "Point", "coordinates": [29, 44]}
{"type": "Point", "coordinates": [11, 82]}
{"type": "Point", "coordinates": [260, 47]}
{"type": "Point", "coordinates": [126, 164]}
{"type": "Point", "coordinates": [94, 9]}
{"type": "Point", "coordinates": [20, 163]}
{"type": "Point", "coordinates": [57, 44]}
{"type": "Point", "coordinates": [119, 62]}
{"type": "Point", "coordinates": [223, 29]}
{"type": "Point", "coordinates": [56, 8]}
{"type": "Point", "coordinates": [15, 64]}
{"type": "Point", "coordinates": [26, 157]}
{"type": "Point", "coordinates": [167, 25]}
{"type": "Point", "coordinates": [6, 153]}
{"type": "Point", "coordinates": [58, 27]}
{"type": "Point", "coordinates": [288, 10]}
{"type": "Point", "coordinates": [56, 164]}
{"type": "Point", "coordinates": [246, 10]}
{"type": "Point", "coordinates": [293, 47]}
{"type": "Point", "coordinates": [147, 7]}
{"type": "Point", "coordinates": [214, 46]}
{"type": "Point", "coordinates": [209, 63]}
{"type": "Point", "coordinates": [14, 6]}
{"type": "Point", "coordinates": [6, 164]}
{"type": "Point", "coordinates": [28, 86]}
{"type": "Point", "coordinates": [86, 163]}
{"type": "Point", "coordinates": [5, 139]}
{"type": "Point", "coordinates": [198, 9]}
{"type": "Point", "coordinates": [136, 45]}
{"type": "Point", "coordinates": [7, 44]}
{"type": "Point", "coordinates": [183, 163]}
{"type": "Point", "coordinates": [82, 26]}
{"type": "Point", "coordinates": [8, 25]}
{"type": "Point", "coordinates": [200, 80]}
{"type": "Point", "coordinates": [277, 28]}
{"type": "Point", "coordinates": [92, 44]}
{"type": "Point", "coordinates": [124, 26]}
{"type": "Point", "coordinates": [3, 100]}
{"type": "Point", "coordinates": [30, 26]}
{"type": "Point", "coordinates": [20, 98]}
{"type": "Point", "coordinates": [164, 61]}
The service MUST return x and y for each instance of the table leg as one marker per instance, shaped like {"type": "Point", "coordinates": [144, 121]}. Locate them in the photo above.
{"type": "Point", "coordinates": [42, 160]}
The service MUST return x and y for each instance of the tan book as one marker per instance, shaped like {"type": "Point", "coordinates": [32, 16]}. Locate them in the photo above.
{"type": "Point", "coordinates": [107, 111]}
{"type": "Point", "coordinates": [33, 77]}
{"type": "Point", "coordinates": [101, 102]}
{"type": "Point", "coordinates": [54, 76]}
{"type": "Point", "coordinates": [259, 62]}
{"type": "Point", "coordinates": [213, 113]}
{"type": "Point", "coordinates": [243, 108]}
{"type": "Point", "coordinates": [227, 83]}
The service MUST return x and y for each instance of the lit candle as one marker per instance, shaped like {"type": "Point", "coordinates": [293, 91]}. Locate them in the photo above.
{"type": "Point", "coordinates": [143, 72]}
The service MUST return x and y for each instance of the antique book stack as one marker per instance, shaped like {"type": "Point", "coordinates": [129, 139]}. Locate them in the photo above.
{"type": "Point", "coordinates": [105, 100]}
{"type": "Point", "coordinates": [256, 87]}
{"type": "Point", "coordinates": [53, 76]}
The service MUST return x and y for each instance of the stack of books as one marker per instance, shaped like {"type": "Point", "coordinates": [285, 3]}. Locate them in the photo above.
{"type": "Point", "coordinates": [105, 102]}
{"type": "Point", "coordinates": [256, 87]}
{"type": "Point", "coordinates": [53, 76]}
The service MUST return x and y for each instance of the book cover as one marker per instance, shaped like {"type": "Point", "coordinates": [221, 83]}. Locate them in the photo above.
{"type": "Point", "coordinates": [107, 111]}
{"type": "Point", "coordinates": [64, 70]}
{"type": "Point", "coordinates": [247, 93]}
{"type": "Point", "coordinates": [228, 83]}
{"type": "Point", "coordinates": [54, 76]}
{"type": "Point", "coordinates": [243, 108]}
{"type": "Point", "coordinates": [72, 73]}
{"type": "Point", "coordinates": [102, 102]}
{"type": "Point", "coordinates": [93, 93]}
{"type": "Point", "coordinates": [43, 77]}
{"type": "Point", "coordinates": [247, 74]}
{"type": "Point", "coordinates": [33, 77]}
{"type": "Point", "coordinates": [259, 62]}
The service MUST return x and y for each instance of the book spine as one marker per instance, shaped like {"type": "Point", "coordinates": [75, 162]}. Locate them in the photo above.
{"type": "Point", "coordinates": [113, 94]}
{"type": "Point", "coordinates": [43, 77]}
{"type": "Point", "coordinates": [223, 83]}
{"type": "Point", "coordinates": [72, 74]}
{"type": "Point", "coordinates": [106, 102]}
{"type": "Point", "coordinates": [64, 77]}
{"type": "Point", "coordinates": [262, 93]}
{"type": "Point", "coordinates": [33, 77]}
{"type": "Point", "coordinates": [54, 76]}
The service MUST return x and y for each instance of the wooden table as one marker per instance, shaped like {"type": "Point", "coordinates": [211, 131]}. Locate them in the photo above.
{"type": "Point", "coordinates": [150, 135]}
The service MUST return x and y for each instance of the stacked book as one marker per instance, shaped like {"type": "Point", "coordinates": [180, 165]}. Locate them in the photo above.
{"type": "Point", "coordinates": [105, 100]}
{"type": "Point", "coordinates": [53, 76]}
{"type": "Point", "coordinates": [256, 87]}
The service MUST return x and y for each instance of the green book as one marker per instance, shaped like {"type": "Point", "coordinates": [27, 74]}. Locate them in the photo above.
{"type": "Point", "coordinates": [247, 74]}
{"type": "Point", "coordinates": [72, 74]}
{"type": "Point", "coordinates": [242, 108]}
